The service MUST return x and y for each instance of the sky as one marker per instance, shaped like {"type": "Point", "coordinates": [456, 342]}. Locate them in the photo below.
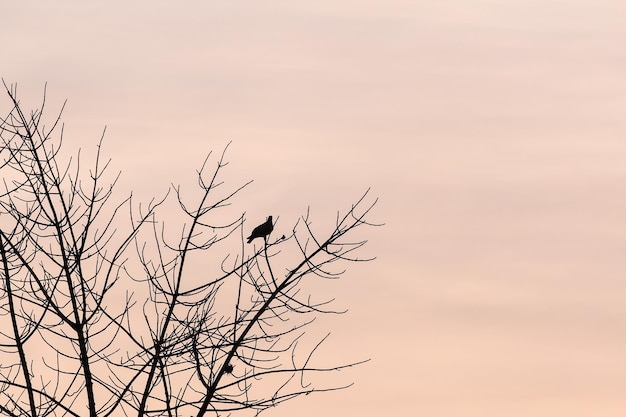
{"type": "Point", "coordinates": [493, 133]}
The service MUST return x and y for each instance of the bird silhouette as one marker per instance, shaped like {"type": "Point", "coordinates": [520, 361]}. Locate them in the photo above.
{"type": "Point", "coordinates": [262, 230]}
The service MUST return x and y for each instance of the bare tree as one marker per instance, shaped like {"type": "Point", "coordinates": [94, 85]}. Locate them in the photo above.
{"type": "Point", "coordinates": [104, 312]}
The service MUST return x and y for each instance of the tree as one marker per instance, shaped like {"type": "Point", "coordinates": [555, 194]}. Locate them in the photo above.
{"type": "Point", "coordinates": [102, 314]}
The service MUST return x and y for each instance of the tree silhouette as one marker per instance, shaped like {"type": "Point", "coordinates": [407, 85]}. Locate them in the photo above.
{"type": "Point", "coordinates": [103, 312]}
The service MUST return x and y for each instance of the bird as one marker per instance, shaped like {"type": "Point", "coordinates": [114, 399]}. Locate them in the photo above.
{"type": "Point", "coordinates": [262, 230]}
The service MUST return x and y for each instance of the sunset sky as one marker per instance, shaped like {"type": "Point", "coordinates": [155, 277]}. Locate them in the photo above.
{"type": "Point", "coordinates": [493, 133]}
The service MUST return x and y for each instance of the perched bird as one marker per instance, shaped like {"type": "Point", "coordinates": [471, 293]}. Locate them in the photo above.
{"type": "Point", "coordinates": [262, 230]}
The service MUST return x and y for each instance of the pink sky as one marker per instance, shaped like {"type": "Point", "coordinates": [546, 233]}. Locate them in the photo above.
{"type": "Point", "coordinates": [493, 132]}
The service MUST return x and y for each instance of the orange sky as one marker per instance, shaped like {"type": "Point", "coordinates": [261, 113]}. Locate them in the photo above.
{"type": "Point", "coordinates": [493, 131]}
